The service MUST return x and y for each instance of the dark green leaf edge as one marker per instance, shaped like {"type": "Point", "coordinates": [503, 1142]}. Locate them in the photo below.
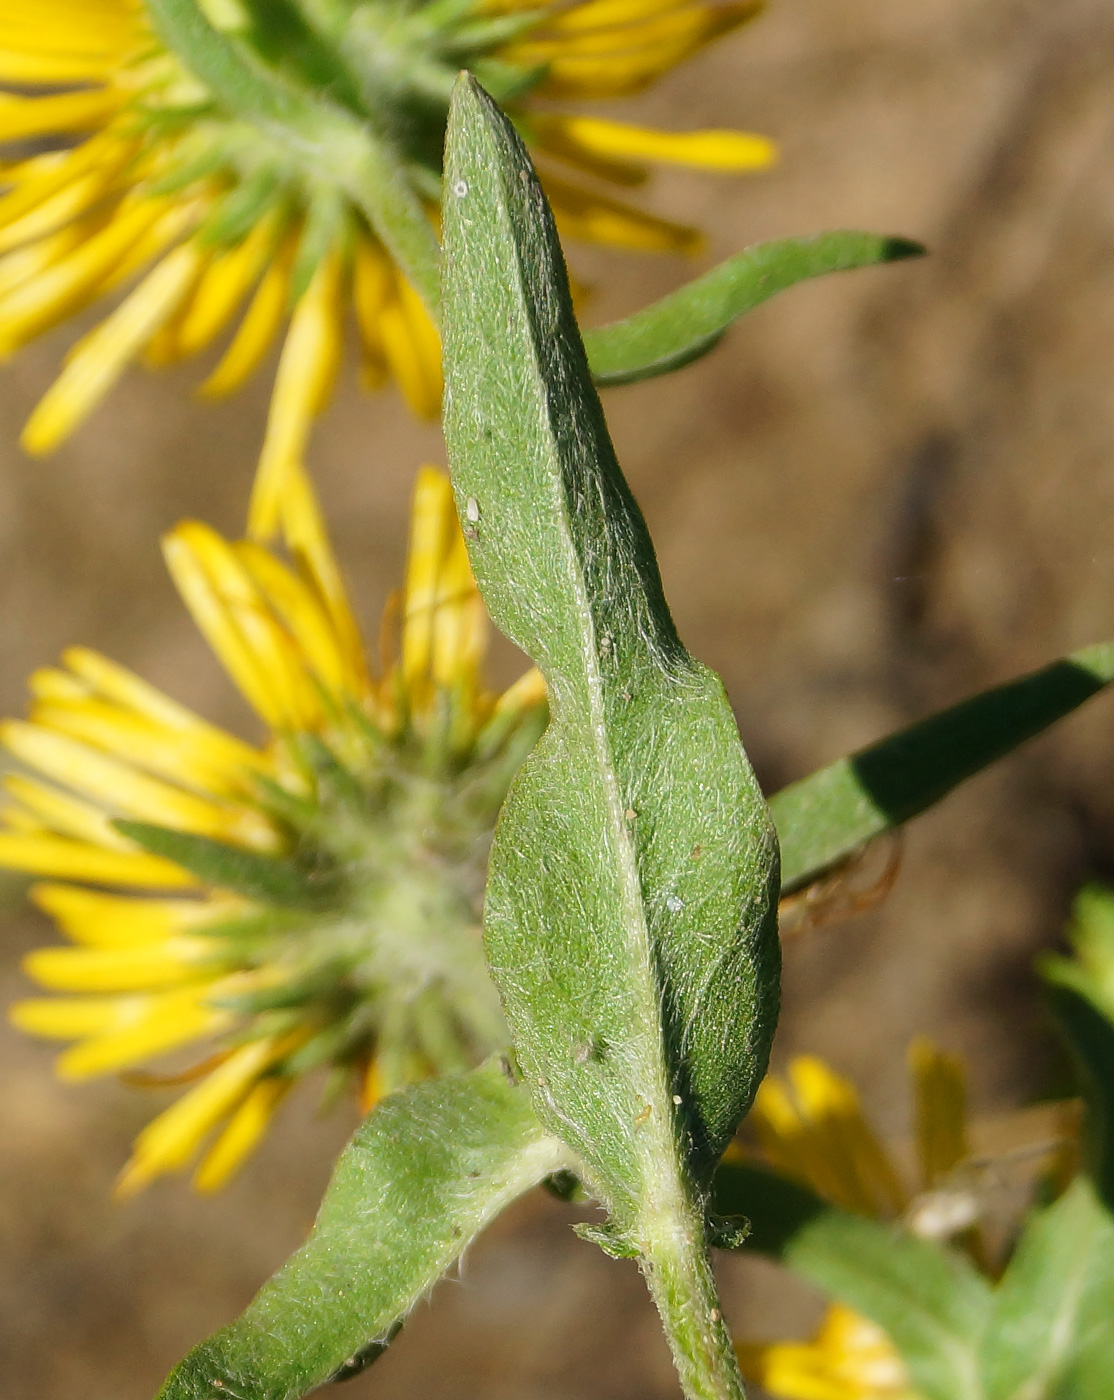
{"type": "Point", "coordinates": [689, 322]}
{"type": "Point", "coordinates": [1090, 1037]}
{"type": "Point", "coordinates": [827, 816]}
{"type": "Point", "coordinates": [424, 1174]}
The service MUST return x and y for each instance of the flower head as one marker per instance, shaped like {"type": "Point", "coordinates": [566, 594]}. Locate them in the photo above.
{"type": "Point", "coordinates": [309, 902]}
{"type": "Point", "coordinates": [204, 221]}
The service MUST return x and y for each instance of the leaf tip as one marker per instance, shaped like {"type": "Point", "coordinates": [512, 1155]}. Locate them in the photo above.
{"type": "Point", "coordinates": [898, 249]}
{"type": "Point", "coordinates": [469, 101]}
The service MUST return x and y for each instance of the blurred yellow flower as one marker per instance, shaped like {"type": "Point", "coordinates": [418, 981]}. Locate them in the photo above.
{"type": "Point", "coordinates": [813, 1129]}
{"type": "Point", "coordinates": [848, 1358]}
{"type": "Point", "coordinates": [226, 226]}
{"type": "Point", "coordinates": [312, 902]}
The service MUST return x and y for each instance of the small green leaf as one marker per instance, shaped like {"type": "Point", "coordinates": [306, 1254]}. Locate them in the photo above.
{"type": "Point", "coordinates": [690, 322]}
{"type": "Point", "coordinates": [423, 1176]}
{"type": "Point", "coordinates": [928, 1299]}
{"type": "Point", "coordinates": [264, 878]}
{"type": "Point", "coordinates": [1054, 1308]}
{"type": "Point", "coordinates": [825, 817]}
{"type": "Point", "coordinates": [1089, 1033]}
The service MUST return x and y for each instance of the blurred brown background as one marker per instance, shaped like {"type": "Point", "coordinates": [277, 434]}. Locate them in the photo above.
{"type": "Point", "coordinates": [884, 491]}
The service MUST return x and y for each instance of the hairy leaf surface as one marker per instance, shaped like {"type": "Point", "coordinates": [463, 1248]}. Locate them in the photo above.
{"type": "Point", "coordinates": [632, 880]}
{"type": "Point", "coordinates": [427, 1170]}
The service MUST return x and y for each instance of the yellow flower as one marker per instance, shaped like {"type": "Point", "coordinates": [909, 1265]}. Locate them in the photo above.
{"type": "Point", "coordinates": [813, 1129]}
{"type": "Point", "coordinates": [225, 226]}
{"type": "Point", "coordinates": [311, 902]}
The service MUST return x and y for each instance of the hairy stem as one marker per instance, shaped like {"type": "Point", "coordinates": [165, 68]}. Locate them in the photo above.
{"type": "Point", "coordinates": [679, 1274]}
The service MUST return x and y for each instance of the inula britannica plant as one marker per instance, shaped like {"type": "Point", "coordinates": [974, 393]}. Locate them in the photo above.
{"type": "Point", "coordinates": [537, 931]}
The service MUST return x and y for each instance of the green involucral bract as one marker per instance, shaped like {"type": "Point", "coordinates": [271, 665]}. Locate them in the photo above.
{"type": "Point", "coordinates": [630, 908]}
{"type": "Point", "coordinates": [422, 1177]}
{"type": "Point", "coordinates": [329, 143]}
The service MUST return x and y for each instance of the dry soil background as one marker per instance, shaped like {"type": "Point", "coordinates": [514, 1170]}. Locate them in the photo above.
{"type": "Point", "coordinates": [882, 492]}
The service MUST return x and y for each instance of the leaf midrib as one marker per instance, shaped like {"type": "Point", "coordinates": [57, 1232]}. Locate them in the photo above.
{"type": "Point", "coordinates": [633, 913]}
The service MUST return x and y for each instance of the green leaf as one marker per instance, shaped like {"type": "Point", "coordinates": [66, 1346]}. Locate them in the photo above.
{"type": "Point", "coordinates": [327, 142]}
{"type": "Point", "coordinates": [1090, 1037]}
{"type": "Point", "coordinates": [825, 817]}
{"type": "Point", "coordinates": [264, 878]}
{"type": "Point", "coordinates": [1092, 1364]}
{"type": "Point", "coordinates": [1091, 935]}
{"type": "Point", "coordinates": [628, 909]}
{"type": "Point", "coordinates": [1053, 1312]}
{"type": "Point", "coordinates": [629, 913]}
{"type": "Point", "coordinates": [930, 1301]}
{"type": "Point", "coordinates": [689, 322]}
{"type": "Point", "coordinates": [423, 1175]}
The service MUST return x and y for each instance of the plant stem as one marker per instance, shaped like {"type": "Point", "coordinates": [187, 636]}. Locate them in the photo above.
{"type": "Point", "coordinates": [679, 1275]}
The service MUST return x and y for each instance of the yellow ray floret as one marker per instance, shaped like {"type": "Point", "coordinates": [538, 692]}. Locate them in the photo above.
{"type": "Point", "coordinates": [706, 150]}
{"type": "Point", "coordinates": [168, 1143]}
{"type": "Point", "coordinates": [940, 1102]}
{"type": "Point", "coordinates": [814, 1129]}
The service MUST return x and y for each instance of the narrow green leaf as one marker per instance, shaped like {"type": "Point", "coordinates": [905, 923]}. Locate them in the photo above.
{"type": "Point", "coordinates": [1046, 1315]}
{"type": "Point", "coordinates": [255, 876]}
{"type": "Point", "coordinates": [1089, 1033]}
{"type": "Point", "coordinates": [629, 914]}
{"type": "Point", "coordinates": [690, 322]}
{"type": "Point", "coordinates": [327, 141]}
{"type": "Point", "coordinates": [828, 815]}
{"type": "Point", "coordinates": [424, 1174]}
{"type": "Point", "coordinates": [631, 882]}
{"type": "Point", "coordinates": [930, 1301]}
